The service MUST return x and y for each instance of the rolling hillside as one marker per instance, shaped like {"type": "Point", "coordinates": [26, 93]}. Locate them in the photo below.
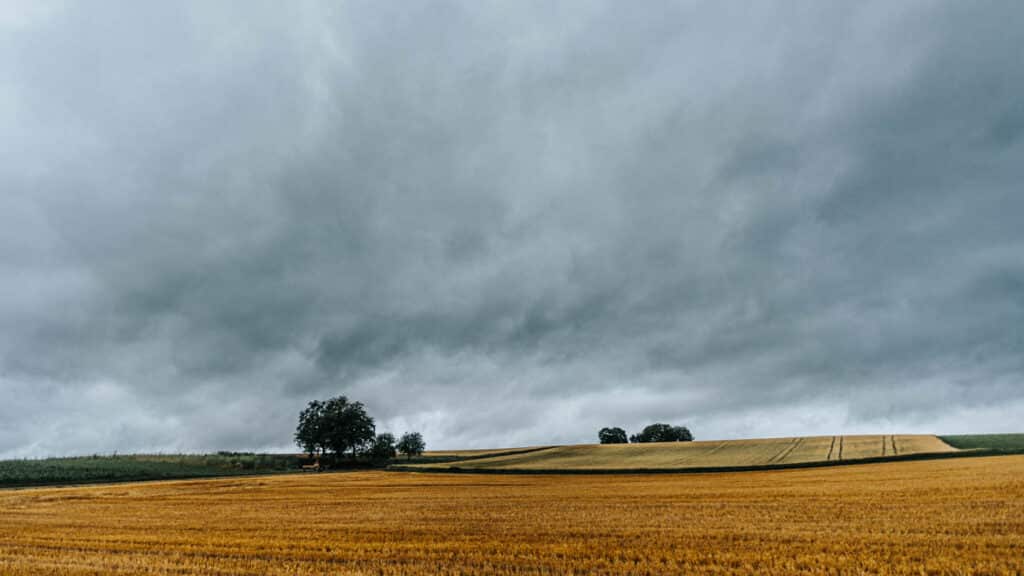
{"type": "Point", "coordinates": [769, 452]}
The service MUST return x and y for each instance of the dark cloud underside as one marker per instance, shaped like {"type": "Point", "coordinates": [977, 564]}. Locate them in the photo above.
{"type": "Point", "coordinates": [507, 223]}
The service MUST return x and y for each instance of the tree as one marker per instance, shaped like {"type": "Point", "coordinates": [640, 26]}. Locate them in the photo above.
{"type": "Point", "coordinates": [309, 435]}
{"type": "Point", "coordinates": [663, 433]}
{"type": "Point", "coordinates": [335, 425]}
{"type": "Point", "coordinates": [683, 434]}
{"type": "Point", "coordinates": [613, 435]}
{"type": "Point", "coordinates": [383, 447]}
{"type": "Point", "coordinates": [347, 426]}
{"type": "Point", "coordinates": [411, 444]}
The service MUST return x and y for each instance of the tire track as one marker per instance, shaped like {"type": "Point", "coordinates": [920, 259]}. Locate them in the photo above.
{"type": "Point", "coordinates": [831, 448]}
{"type": "Point", "coordinates": [781, 456]}
{"type": "Point", "coordinates": [895, 452]}
{"type": "Point", "coordinates": [702, 455]}
{"type": "Point", "coordinates": [717, 448]}
{"type": "Point", "coordinates": [840, 448]}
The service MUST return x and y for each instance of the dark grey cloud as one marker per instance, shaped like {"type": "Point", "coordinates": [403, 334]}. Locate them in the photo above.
{"type": "Point", "coordinates": [507, 224]}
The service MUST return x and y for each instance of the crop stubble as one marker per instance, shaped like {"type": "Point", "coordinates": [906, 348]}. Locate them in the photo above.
{"type": "Point", "coordinates": [958, 516]}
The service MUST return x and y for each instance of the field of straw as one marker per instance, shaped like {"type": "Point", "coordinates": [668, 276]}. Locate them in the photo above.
{"type": "Point", "coordinates": [955, 516]}
{"type": "Point", "coordinates": [710, 454]}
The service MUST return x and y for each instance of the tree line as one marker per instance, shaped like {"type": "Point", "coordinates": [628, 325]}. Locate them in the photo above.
{"type": "Point", "coordinates": [652, 433]}
{"type": "Point", "coordinates": [337, 428]}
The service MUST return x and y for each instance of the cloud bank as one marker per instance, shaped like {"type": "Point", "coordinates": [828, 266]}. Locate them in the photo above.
{"type": "Point", "coordinates": [508, 224]}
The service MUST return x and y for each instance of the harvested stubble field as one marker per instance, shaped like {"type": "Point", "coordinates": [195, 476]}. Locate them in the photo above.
{"type": "Point", "coordinates": [956, 516]}
{"type": "Point", "coordinates": [707, 454]}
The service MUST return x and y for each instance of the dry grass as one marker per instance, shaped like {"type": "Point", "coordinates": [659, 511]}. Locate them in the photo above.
{"type": "Point", "coordinates": [729, 453]}
{"type": "Point", "coordinates": [957, 516]}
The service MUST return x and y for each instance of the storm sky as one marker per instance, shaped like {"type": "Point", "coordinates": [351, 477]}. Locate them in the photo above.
{"type": "Point", "coordinates": [508, 223]}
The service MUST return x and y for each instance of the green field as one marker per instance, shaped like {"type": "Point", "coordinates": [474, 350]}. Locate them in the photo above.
{"type": "Point", "coordinates": [89, 469]}
{"type": "Point", "coordinates": [1008, 443]}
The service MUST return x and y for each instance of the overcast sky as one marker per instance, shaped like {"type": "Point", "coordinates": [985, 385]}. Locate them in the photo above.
{"type": "Point", "coordinates": [508, 223]}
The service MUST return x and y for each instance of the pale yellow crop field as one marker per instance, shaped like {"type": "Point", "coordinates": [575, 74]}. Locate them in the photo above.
{"type": "Point", "coordinates": [709, 454]}
{"type": "Point", "coordinates": [955, 516]}
{"type": "Point", "coordinates": [476, 453]}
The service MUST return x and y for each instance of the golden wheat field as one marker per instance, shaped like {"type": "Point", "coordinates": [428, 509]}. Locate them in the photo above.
{"type": "Point", "coordinates": [954, 516]}
{"type": "Point", "coordinates": [708, 454]}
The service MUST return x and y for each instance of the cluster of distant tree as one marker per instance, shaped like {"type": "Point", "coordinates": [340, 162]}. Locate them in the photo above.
{"type": "Point", "coordinates": [653, 433]}
{"type": "Point", "coordinates": [338, 427]}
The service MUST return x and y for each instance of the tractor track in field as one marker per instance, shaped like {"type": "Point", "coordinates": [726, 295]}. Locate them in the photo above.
{"type": "Point", "coordinates": [693, 457]}
{"type": "Point", "coordinates": [831, 449]}
{"type": "Point", "coordinates": [785, 452]}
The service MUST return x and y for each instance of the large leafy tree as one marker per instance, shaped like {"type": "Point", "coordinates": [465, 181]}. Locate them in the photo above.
{"type": "Point", "coordinates": [348, 428]}
{"type": "Point", "coordinates": [411, 444]}
{"type": "Point", "coordinates": [614, 435]}
{"type": "Point", "coordinates": [335, 425]}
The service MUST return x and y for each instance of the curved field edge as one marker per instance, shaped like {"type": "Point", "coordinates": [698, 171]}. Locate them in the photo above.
{"type": "Point", "coordinates": [709, 456]}
{"type": "Point", "coordinates": [445, 456]}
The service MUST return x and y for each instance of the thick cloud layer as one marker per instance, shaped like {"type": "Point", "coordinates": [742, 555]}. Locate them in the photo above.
{"type": "Point", "coordinates": [507, 223]}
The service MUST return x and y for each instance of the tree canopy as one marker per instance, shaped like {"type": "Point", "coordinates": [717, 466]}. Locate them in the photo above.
{"type": "Point", "coordinates": [383, 447]}
{"type": "Point", "coordinates": [663, 433]}
{"type": "Point", "coordinates": [334, 426]}
{"type": "Point", "coordinates": [411, 444]}
{"type": "Point", "coordinates": [614, 435]}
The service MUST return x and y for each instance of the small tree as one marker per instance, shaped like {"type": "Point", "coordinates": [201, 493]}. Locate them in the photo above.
{"type": "Point", "coordinates": [383, 447]}
{"type": "Point", "coordinates": [411, 444]}
{"type": "Point", "coordinates": [613, 435]}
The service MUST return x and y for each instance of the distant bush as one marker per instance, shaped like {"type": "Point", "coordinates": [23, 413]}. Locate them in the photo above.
{"type": "Point", "coordinates": [662, 433]}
